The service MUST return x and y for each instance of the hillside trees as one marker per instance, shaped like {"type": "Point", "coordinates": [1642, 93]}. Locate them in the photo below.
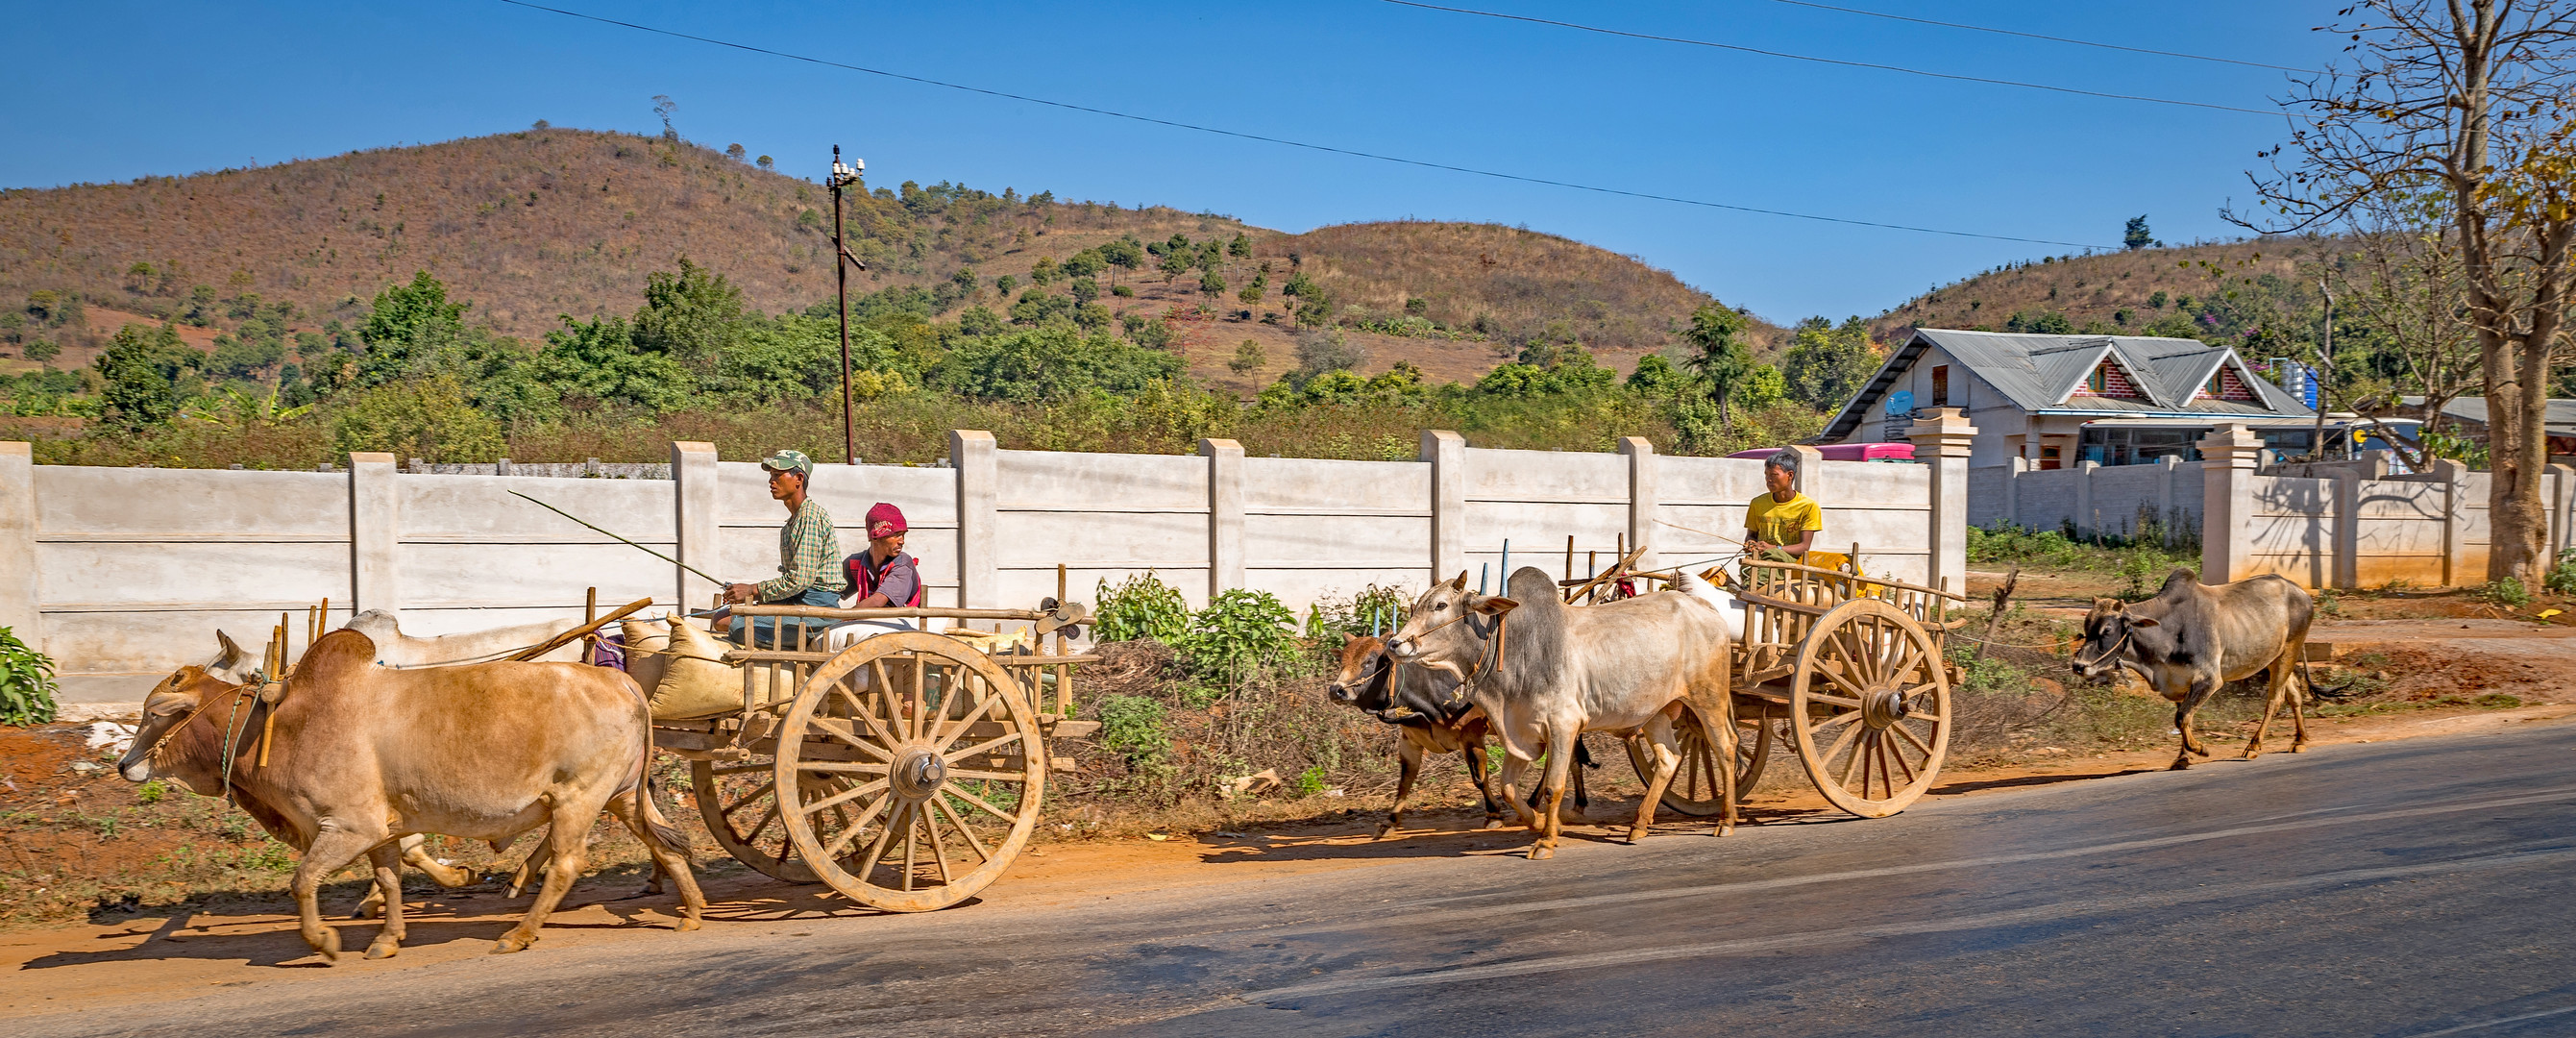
{"type": "Point", "coordinates": [1718, 355]}
{"type": "Point", "coordinates": [147, 373]}
{"type": "Point", "coordinates": [1824, 366]}
{"type": "Point", "coordinates": [689, 315]}
{"type": "Point", "coordinates": [2464, 109]}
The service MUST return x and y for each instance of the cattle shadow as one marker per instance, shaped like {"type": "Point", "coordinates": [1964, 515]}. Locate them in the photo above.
{"type": "Point", "coordinates": [1458, 833]}
{"type": "Point", "coordinates": [271, 939]}
{"type": "Point", "coordinates": [2029, 781]}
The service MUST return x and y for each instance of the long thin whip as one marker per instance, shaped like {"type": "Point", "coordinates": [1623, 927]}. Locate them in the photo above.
{"type": "Point", "coordinates": [621, 540]}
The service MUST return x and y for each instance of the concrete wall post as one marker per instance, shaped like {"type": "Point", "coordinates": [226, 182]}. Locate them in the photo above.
{"type": "Point", "coordinates": [2230, 454]}
{"type": "Point", "coordinates": [1447, 453]}
{"type": "Point", "coordinates": [2347, 528]}
{"type": "Point", "coordinates": [2454, 477]}
{"type": "Point", "coordinates": [18, 609]}
{"type": "Point", "coordinates": [697, 525]}
{"type": "Point", "coordinates": [1943, 440]}
{"type": "Point", "coordinates": [1643, 496]}
{"type": "Point", "coordinates": [2562, 512]}
{"type": "Point", "coordinates": [2170, 468]}
{"type": "Point", "coordinates": [977, 458]}
{"type": "Point", "coordinates": [375, 533]}
{"type": "Point", "coordinates": [2086, 523]}
{"type": "Point", "coordinates": [1225, 515]}
{"type": "Point", "coordinates": [1808, 459]}
{"type": "Point", "coordinates": [2012, 488]}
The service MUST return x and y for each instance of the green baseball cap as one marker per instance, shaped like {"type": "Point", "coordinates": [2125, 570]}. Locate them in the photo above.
{"type": "Point", "coordinates": [790, 461]}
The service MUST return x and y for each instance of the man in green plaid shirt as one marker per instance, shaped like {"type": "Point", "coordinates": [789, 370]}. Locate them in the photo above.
{"type": "Point", "coordinates": [809, 550]}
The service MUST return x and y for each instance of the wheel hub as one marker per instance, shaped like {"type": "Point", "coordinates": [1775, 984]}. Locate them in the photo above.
{"type": "Point", "coordinates": [1883, 708]}
{"type": "Point", "coordinates": [917, 773]}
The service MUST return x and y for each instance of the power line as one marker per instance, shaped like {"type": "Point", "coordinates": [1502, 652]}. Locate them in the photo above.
{"type": "Point", "coordinates": [1285, 142]}
{"type": "Point", "coordinates": [2042, 36]}
{"type": "Point", "coordinates": [1831, 61]}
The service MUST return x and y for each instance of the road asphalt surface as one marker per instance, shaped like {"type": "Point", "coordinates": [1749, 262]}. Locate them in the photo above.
{"type": "Point", "coordinates": [2415, 888]}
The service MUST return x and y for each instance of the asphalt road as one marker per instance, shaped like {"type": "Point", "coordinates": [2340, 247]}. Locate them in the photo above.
{"type": "Point", "coordinates": [2425, 887]}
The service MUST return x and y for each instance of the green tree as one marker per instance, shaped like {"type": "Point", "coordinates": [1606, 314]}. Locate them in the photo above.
{"type": "Point", "coordinates": [1254, 290]}
{"type": "Point", "coordinates": [147, 374]}
{"type": "Point", "coordinates": [1248, 358]}
{"type": "Point", "coordinates": [598, 361]}
{"type": "Point", "coordinates": [1042, 273]}
{"type": "Point", "coordinates": [1211, 284]}
{"type": "Point", "coordinates": [422, 418]}
{"type": "Point", "coordinates": [1085, 263]}
{"type": "Point", "coordinates": [1051, 363]}
{"type": "Point", "coordinates": [1718, 356]}
{"type": "Point", "coordinates": [690, 315]}
{"type": "Point", "coordinates": [404, 322]}
{"type": "Point", "coordinates": [2139, 236]}
{"type": "Point", "coordinates": [42, 351]}
{"type": "Point", "coordinates": [1240, 247]}
{"type": "Point", "coordinates": [1824, 366]}
{"type": "Point", "coordinates": [1085, 290]}
{"type": "Point", "coordinates": [1173, 266]}
{"type": "Point", "coordinates": [1005, 285]}
{"type": "Point", "coordinates": [1124, 254]}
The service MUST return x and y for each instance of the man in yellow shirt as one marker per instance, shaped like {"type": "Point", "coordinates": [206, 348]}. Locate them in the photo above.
{"type": "Point", "coordinates": [1781, 525]}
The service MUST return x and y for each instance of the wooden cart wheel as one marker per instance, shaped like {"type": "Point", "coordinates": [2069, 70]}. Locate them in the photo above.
{"type": "Point", "coordinates": [1870, 704]}
{"type": "Point", "coordinates": [739, 802]}
{"type": "Point", "coordinates": [943, 762]}
{"type": "Point", "coordinates": [1694, 790]}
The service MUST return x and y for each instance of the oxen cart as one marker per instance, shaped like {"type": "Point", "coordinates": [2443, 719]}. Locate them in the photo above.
{"type": "Point", "coordinates": [1850, 672]}
{"type": "Point", "coordinates": [902, 767]}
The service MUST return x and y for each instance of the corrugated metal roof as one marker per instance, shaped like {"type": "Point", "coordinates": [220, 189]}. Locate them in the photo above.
{"type": "Point", "coordinates": [2038, 372]}
{"type": "Point", "coordinates": [2560, 418]}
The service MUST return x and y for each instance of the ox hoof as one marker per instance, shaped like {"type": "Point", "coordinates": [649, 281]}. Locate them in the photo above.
{"type": "Point", "coordinates": [1541, 853]}
{"type": "Point", "coordinates": [1635, 835]}
{"type": "Point", "coordinates": [2180, 764]}
{"type": "Point", "coordinates": [328, 944]}
{"type": "Point", "coordinates": [2298, 747]}
{"type": "Point", "coordinates": [687, 925]}
{"type": "Point", "coordinates": [1493, 821]}
{"type": "Point", "coordinates": [511, 943]}
{"type": "Point", "coordinates": [383, 948]}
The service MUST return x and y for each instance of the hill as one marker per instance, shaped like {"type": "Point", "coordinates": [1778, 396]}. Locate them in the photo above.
{"type": "Point", "coordinates": [2111, 293]}
{"type": "Point", "coordinates": [550, 221]}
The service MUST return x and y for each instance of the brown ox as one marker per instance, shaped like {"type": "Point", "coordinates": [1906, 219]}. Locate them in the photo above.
{"type": "Point", "coordinates": [229, 670]}
{"type": "Point", "coordinates": [362, 755]}
{"type": "Point", "coordinates": [2193, 638]}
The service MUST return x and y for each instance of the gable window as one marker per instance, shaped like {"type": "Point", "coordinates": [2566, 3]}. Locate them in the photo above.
{"type": "Point", "coordinates": [2108, 379]}
{"type": "Point", "coordinates": [2215, 387]}
{"type": "Point", "coordinates": [1941, 385]}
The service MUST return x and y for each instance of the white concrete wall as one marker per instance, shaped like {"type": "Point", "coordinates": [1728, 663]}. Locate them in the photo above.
{"type": "Point", "coordinates": [125, 574]}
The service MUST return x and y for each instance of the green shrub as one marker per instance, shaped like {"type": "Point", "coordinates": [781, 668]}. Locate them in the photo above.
{"type": "Point", "coordinates": [2561, 578]}
{"type": "Point", "coordinates": [1132, 726]}
{"type": "Point", "coordinates": [2508, 592]}
{"type": "Point", "coordinates": [26, 683]}
{"type": "Point", "coordinates": [151, 792]}
{"type": "Point", "coordinates": [1242, 632]}
{"type": "Point", "coordinates": [1142, 606]}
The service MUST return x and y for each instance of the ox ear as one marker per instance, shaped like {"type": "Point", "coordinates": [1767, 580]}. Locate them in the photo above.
{"type": "Point", "coordinates": [1496, 605]}
{"type": "Point", "coordinates": [2143, 621]}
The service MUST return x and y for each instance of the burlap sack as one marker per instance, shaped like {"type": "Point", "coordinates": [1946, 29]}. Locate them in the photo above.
{"type": "Point", "coordinates": [647, 642]}
{"type": "Point", "coordinates": [695, 681]}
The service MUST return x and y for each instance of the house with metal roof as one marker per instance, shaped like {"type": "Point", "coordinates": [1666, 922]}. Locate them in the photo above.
{"type": "Point", "coordinates": [2055, 400]}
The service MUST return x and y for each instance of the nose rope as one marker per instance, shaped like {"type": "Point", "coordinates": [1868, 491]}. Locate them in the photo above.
{"type": "Point", "coordinates": [2114, 650]}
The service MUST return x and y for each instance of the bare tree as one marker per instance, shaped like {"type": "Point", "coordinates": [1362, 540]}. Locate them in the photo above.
{"type": "Point", "coordinates": [2462, 107]}
{"type": "Point", "coordinates": [2403, 278]}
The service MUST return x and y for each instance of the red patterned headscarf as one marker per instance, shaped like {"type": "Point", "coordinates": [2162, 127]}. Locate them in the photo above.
{"type": "Point", "coordinates": [884, 520]}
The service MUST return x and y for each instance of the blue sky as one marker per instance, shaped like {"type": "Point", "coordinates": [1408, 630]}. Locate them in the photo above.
{"type": "Point", "coordinates": [113, 89]}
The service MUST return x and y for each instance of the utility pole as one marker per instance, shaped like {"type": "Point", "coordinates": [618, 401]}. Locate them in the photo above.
{"type": "Point", "coordinates": [843, 176]}
{"type": "Point", "coordinates": [2316, 386]}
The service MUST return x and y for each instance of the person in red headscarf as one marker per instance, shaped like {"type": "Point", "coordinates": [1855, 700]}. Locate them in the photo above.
{"type": "Point", "coordinates": [883, 575]}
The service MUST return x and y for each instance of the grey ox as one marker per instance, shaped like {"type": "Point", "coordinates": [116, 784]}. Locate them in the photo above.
{"type": "Point", "coordinates": [2192, 638]}
{"type": "Point", "coordinates": [1544, 672]}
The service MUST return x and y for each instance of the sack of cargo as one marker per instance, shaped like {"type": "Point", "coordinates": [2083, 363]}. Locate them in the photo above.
{"type": "Point", "coordinates": [647, 645]}
{"type": "Point", "coordinates": [695, 680]}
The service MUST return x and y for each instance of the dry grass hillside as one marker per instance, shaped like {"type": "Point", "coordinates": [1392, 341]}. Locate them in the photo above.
{"type": "Point", "coordinates": [2109, 291]}
{"type": "Point", "coordinates": [550, 221]}
{"type": "Point", "coordinates": [527, 225]}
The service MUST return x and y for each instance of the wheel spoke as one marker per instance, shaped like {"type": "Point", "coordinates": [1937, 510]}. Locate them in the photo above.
{"type": "Point", "coordinates": [833, 852]}
{"type": "Point", "coordinates": [767, 819]}
{"type": "Point", "coordinates": [1898, 753]}
{"type": "Point", "coordinates": [989, 809]}
{"type": "Point", "coordinates": [1854, 762]}
{"type": "Point", "coordinates": [843, 797]}
{"type": "Point", "coordinates": [993, 776]}
{"type": "Point", "coordinates": [982, 747]}
{"type": "Point", "coordinates": [1844, 702]}
{"type": "Point", "coordinates": [920, 699]}
{"type": "Point", "coordinates": [867, 712]}
{"type": "Point", "coordinates": [938, 847]}
{"type": "Point", "coordinates": [885, 840]}
{"type": "Point", "coordinates": [1909, 736]}
{"type": "Point", "coordinates": [911, 841]}
{"type": "Point", "coordinates": [765, 789]}
{"type": "Point", "coordinates": [843, 767]}
{"type": "Point", "coordinates": [1845, 717]}
{"type": "Point", "coordinates": [957, 729]}
{"type": "Point", "coordinates": [1835, 673]}
{"type": "Point", "coordinates": [736, 769]}
{"type": "Point", "coordinates": [958, 822]}
{"type": "Point", "coordinates": [836, 729]}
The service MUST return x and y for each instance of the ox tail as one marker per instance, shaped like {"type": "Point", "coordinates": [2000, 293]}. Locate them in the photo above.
{"type": "Point", "coordinates": [648, 809]}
